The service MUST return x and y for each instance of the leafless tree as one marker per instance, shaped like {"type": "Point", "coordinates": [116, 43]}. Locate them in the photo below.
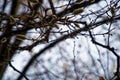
{"type": "Point", "coordinates": [77, 39]}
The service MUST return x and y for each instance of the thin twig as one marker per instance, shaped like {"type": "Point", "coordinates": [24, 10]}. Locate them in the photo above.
{"type": "Point", "coordinates": [17, 70]}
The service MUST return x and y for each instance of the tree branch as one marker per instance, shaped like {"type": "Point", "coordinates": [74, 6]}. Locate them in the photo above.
{"type": "Point", "coordinates": [52, 7]}
{"type": "Point", "coordinates": [72, 34]}
{"type": "Point", "coordinates": [17, 70]}
{"type": "Point", "coordinates": [110, 49]}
